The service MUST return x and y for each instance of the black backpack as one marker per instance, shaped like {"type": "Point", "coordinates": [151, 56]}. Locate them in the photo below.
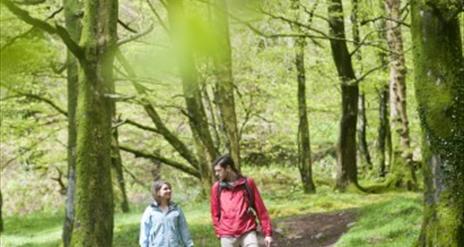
{"type": "Point", "coordinates": [250, 195]}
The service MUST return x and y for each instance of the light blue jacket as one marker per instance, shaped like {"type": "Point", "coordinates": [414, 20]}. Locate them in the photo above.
{"type": "Point", "coordinates": [164, 229]}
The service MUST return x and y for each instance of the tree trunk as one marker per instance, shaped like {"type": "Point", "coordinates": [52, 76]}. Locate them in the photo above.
{"type": "Point", "coordinates": [383, 130]}
{"type": "Point", "coordinates": [225, 82]}
{"type": "Point", "coordinates": [191, 88]}
{"type": "Point", "coordinates": [1, 213]}
{"type": "Point", "coordinates": [346, 146]}
{"type": "Point", "coordinates": [73, 25]}
{"type": "Point", "coordinates": [402, 167]}
{"type": "Point", "coordinates": [304, 144]}
{"type": "Point", "coordinates": [93, 225]}
{"type": "Point", "coordinates": [116, 161]}
{"type": "Point", "coordinates": [212, 113]}
{"type": "Point", "coordinates": [362, 123]}
{"type": "Point", "coordinates": [118, 173]}
{"type": "Point", "coordinates": [362, 129]}
{"type": "Point", "coordinates": [439, 86]}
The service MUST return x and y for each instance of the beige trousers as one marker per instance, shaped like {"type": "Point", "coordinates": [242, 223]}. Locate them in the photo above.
{"type": "Point", "coordinates": [247, 240]}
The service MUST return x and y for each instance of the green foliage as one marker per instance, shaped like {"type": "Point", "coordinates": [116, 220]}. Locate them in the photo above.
{"type": "Point", "coordinates": [34, 135]}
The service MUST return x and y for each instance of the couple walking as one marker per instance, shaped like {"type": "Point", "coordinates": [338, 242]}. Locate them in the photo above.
{"type": "Point", "coordinates": [235, 205]}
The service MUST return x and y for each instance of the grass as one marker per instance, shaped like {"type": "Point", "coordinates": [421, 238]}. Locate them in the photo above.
{"type": "Point", "coordinates": [394, 223]}
{"type": "Point", "coordinates": [387, 219]}
{"type": "Point", "coordinates": [391, 219]}
{"type": "Point", "coordinates": [38, 229]}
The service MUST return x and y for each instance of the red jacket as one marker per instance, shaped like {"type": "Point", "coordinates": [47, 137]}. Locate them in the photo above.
{"type": "Point", "coordinates": [233, 218]}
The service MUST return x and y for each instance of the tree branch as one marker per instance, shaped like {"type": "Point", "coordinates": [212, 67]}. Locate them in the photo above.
{"type": "Point", "coordinates": [175, 142]}
{"type": "Point", "coordinates": [298, 35]}
{"type": "Point", "coordinates": [30, 2]}
{"type": "Point", "coordinates": [126, 26]}
{"type": "Point", "coordinates": [45, 100]}
{"type": "Point", "coordinates": [141, 126]}
{"type": "Point", "coordinates": [164, 160]}
{"type": "Point", "coordinates": [158, 17]}
{"type": "Point", "coordinates": [137, 36]}
{"type": "Point", "coordinates": [134, 177]}
{"type": "Point", "coordinates": [75, 49]}
{"type": "Point", "coordinates": [369, 72]}
{"type": "Point", "coordinates": [10, 42]}
{"type": "Point", "coordinates": [60, 182]}
{"type": "Point", "coordinates": [297, 23]}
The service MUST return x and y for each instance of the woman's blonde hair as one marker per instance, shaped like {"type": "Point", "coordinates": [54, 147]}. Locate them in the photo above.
{"type": "Point", "coordinates": [156, 187]}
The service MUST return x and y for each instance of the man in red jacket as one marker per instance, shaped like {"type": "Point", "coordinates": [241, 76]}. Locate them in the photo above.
{"type": "Point", "coordinates": [235, 205]}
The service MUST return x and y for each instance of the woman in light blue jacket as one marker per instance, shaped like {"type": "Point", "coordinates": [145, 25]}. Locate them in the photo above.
{"type": "Point", "coordinates": [163, 223]}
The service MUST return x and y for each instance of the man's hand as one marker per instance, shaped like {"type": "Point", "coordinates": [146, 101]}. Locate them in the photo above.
{"type": "Point", "coordinates": [267, 241]}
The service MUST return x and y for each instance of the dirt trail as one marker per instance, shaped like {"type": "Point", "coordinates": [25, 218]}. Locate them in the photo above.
{"type": "Point", "coordinates": [313, 230]}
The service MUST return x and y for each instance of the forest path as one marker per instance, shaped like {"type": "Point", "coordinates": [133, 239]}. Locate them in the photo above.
{"type": "Point", "coordinates": [313, 230]}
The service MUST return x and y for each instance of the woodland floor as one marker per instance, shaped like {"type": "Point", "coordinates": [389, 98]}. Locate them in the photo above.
{"type": "Point", "coordinates": [313, 230]}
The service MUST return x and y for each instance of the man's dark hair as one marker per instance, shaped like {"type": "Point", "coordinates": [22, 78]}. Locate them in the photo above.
{"type": "Point", "coordinates": [224, 161]}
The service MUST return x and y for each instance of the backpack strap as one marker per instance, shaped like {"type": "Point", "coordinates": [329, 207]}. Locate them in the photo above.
{"type": "Point", "coordinates": [218, 198]}
{"type": "Point", "coordinates": [249, 192]}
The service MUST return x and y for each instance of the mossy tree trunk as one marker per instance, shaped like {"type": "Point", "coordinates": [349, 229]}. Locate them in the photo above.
{"type": "Point", "coordinates": [346, 147]}
{"type": "Point", "coordinates": [225, 84]}
{"type": "Point", "coordinates": [304, 144]}
{"type": "Point", "coordinates": [93, 224]}
{"type": "Point", "coordinates": [439, 86]}
{"type": "Point", "coordinates": [93, 221]}
{"type": "Point", "coordinates": [191, 89]}
{"type": "Point", "coordinates": [72, 9]}
{"type": "Point", "coordinates": [402, 167]}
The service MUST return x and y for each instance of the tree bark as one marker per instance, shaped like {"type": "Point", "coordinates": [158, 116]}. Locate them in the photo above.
{"type": "Point", "coordinates": [304, 144]}
{"type": "Point", "coordinates": [383, 131]}
{"type": "Point", "coordinates": [362, 129]}
{"type": "Point", "coordinates": [346, 146]}
{"type": "Point", "coordinates": [212, 112]}
{"type": "Point", "coordinates": [73, 26]}
{"type": "Point", "coordinates": [402, 166]}
{"type": "Point", "coordinates": [439, 86]}
{"type": "Point", "coordinates": [225, 82]}
{"type": "Point", "coordinates": [1, 213]}
{"type": "Point", "coordinates": [93, 225]}
{"type": "Point", "coordinates": [118, 174]}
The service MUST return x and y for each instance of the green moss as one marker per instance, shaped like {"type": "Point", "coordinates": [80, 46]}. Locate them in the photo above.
{"type": "Point", "coordinates": [440, 94]}
{"type": "Point", "coordinates": [448, 224]}
{"type": "Point", "coordinates": [442, 224]}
